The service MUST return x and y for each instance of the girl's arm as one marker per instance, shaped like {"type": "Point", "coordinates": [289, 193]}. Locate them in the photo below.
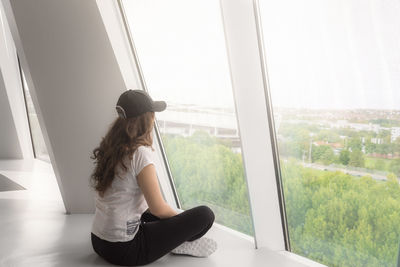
{"type": "Point", "coordinates": [148, 183]}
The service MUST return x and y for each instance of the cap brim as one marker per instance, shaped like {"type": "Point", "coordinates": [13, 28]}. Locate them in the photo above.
{"type": "Point", "coordinates": [159, 106]}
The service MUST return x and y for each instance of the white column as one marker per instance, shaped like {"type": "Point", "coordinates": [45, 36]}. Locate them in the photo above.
{"type": "Point", "coordinates": [15, 139]}
{"type": "Point", "coordinates": [249, 83]}
{"type": "Point", "coordinates": [74, 80]}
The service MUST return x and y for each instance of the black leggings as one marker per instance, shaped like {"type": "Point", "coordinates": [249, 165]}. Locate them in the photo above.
{"type": "Point", "coordinates": [156, 237]}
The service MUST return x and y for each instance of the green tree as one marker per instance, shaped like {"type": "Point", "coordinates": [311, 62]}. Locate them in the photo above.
{"type": "Point", "coordinates": [322, 154]}
{"type": "Point", "coordinates": [328, 157]}
{"type": "Point", "coordinates": [340, 220]}
{"type": "Point", "coordinates": [370, 147]}
{"type": "Point", "coordinates": [333, 217]}
{"type": "Point", "coordinates": [208, 172]}
{"type": "Point", "coordinates": [384, 149]}
{"type": "Point", "coordinates": [394, 166]}
{"type": "Point", "coordinates": [344, 157]}
{"type": "Point", "coordinates": [355, 143]}
{"type": "Point", "coordinates": [380, 164]}
{"type": "Point", "coordinates": [357, 159]}
{"type": "Point", "coordinates": [328, 136]}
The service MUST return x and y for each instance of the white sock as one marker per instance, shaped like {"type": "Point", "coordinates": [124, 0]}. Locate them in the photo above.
{"type": "Point", "coordinates": [201, 247]}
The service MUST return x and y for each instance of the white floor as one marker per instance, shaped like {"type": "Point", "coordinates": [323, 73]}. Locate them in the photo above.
{"type": "Point", "coordinates": [35, 231]}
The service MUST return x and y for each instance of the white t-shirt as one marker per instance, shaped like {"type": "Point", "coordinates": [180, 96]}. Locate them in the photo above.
{"type": "Point", "coordinates": [118, 213]}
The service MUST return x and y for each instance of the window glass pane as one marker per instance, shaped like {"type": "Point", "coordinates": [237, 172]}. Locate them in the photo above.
{"type": "Point", "coordinates": [334, 74]}
{"type": "Point", "coordinates": [181, 48]}
{"type": "Point", "coordinates": [37, 136]}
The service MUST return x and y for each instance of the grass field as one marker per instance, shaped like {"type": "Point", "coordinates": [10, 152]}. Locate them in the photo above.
{"type": "Point", "coordinates": [377, 163]}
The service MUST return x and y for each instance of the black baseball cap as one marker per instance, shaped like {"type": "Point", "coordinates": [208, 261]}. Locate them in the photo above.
{"type": "Point", "coordinates": [132, 103]}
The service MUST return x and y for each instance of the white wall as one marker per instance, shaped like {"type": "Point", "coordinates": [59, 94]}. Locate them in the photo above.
{"type": "Point", "coordinates": [15, 141]}
{"type": "Point", "coordinates": [9, 144]}
{"type": "Point", "coordinates": [75, 82]}
{"type": "Point", "coordinates": [119, 40]}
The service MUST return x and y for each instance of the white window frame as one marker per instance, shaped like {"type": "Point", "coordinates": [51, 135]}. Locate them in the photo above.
{"type": "Point", "coordinates": [250, 88]}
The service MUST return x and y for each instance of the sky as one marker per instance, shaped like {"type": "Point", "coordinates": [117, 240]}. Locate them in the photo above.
{"type": "Point", "coordinates": [335, 54]}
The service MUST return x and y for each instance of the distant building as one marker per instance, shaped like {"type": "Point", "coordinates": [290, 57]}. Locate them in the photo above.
{"type": "Point", "coordinates": [395, 133]}
{"type": "Point", "coordinates": [337, 147]}
{"type": "Point", "coordinates": [184, 120]}
{"type": "Point", "coordinates": [357, 126]}
{"type": "Point", "coordinates": [377, 141]}
{"type": "Point", "coordinates": [341, 123]}
{"type": "Point", "coordinates": [365, 127]}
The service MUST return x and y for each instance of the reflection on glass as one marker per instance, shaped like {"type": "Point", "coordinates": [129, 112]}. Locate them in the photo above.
{"type": "Point", "coordinates": [334, 74]}
{"type": "Point", "coordinates": [180, 44]}
{"type": "Point", "coordinates": [37, 136]}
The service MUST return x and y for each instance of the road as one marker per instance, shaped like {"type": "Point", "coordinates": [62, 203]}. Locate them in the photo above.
{"type": "Point", "coordinates": [350, 172]}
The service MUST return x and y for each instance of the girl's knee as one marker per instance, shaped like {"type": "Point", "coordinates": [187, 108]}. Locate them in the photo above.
{"type": "Point", "coordinates": [206, 212]}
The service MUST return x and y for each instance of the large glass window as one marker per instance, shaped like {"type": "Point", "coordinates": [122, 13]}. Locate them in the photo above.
{"type": "Point", "coordinates": [39, 145]}
{"type": "Point", "coordinates": [334, 75]}
{"type": "Point", "coordinates": [181, 49]}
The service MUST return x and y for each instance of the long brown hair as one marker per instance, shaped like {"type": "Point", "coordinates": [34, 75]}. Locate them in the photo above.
{"type": "Point", "coordinates": [123, 138]}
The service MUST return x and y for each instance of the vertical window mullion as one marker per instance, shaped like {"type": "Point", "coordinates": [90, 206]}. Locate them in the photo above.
{"type": "Point", "coordinates": [249, 81]}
